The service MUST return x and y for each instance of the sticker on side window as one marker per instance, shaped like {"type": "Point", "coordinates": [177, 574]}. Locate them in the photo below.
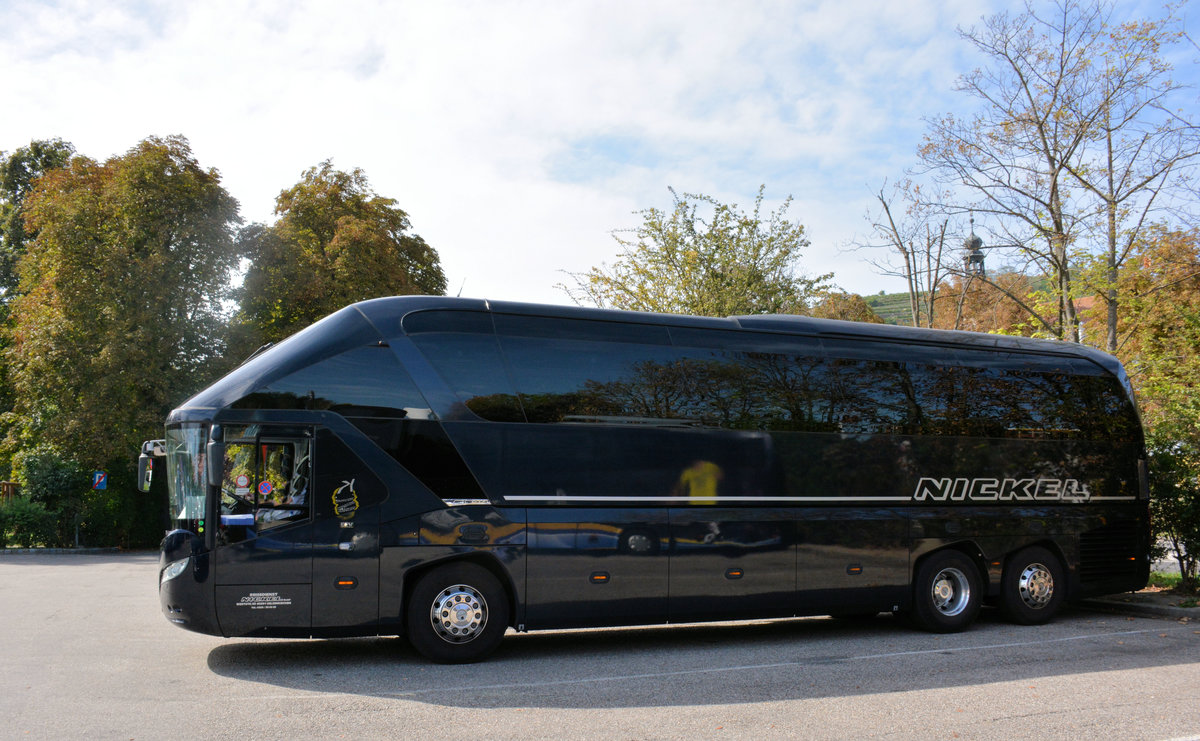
{"type": "Point", "coordinates": [345, 500]}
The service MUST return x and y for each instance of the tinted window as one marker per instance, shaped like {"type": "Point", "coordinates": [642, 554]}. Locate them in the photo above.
{"type": "Point", "coordinates": [1110, 412]}
{"type": "Point", "coordinates": [423, 448]}
{"type": "Point", "coordinates": [1040, 396]}
{"type": "Point", "coordinates": [463, 349]}
{"type": "Point", "coordinates": [871, 389]}
{"type": "Point", "coordinates": [744, 380]}
{"type": "Point", "coordinates": [940, 394]}
{"type": "Point", "coordinates": [363, 382]}
{"type": "Point", "coordinates": [567, 370]}
{"type": "Point", "coordinates": [1006, 394]}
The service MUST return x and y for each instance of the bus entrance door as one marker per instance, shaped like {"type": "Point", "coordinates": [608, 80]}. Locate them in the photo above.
{"type": "Point", "coordinates": [345, 573]}
{"type": "Point", "coordinates": [262, 563]}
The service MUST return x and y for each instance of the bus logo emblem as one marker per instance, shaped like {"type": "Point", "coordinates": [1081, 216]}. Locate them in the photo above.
{"type": "Point", "coordinates": [345, 500]}
{"type": "Point", "coordinates": [1001, 490]}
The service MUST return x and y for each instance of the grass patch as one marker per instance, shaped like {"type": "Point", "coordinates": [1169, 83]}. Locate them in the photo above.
{"type": "Point", "coordinates": [892, 308]}
{"type": "Point", "coordinates": [1164, 580]}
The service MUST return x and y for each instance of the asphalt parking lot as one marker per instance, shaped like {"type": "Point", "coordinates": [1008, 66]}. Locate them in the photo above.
{"type": "Point", "coordinates": [86, 654]}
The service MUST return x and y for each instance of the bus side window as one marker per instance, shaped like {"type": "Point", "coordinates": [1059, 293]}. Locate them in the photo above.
{"type": "Point", "coordinates": [239, 469]}
{"type": "Point", "coordinates": [581, 371]}
{"type": "Point", "coordinates": [1000, 400]}
{"type": "Point", "coordinates": [265, 485]}
{"type": "Point", "coordinates": [283, 484]}
{"type": "Point", "coordinates": [870, 389]}
{"type": "Point", "coordinates": [780, 382]}
{"type": "Point", "coordinates": [461, 345]}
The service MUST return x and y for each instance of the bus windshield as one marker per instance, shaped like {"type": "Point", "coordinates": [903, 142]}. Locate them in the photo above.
{"type": "Point", "coordinates": [187, 477]}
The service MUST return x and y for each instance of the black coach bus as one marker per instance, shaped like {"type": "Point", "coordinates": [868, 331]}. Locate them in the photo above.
{"type": "Point", "coordinates": [448, 468]}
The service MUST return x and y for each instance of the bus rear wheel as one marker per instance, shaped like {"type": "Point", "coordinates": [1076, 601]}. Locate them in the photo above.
{"type": "Point", "coordinates": [457, 614]}
{"type": "Point", "coordinates": [946, 593]}
{"type": "Point", "coordinates": [1032, 587]}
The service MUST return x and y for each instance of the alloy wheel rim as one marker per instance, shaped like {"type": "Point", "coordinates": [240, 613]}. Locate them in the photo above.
{"type": "Point", "coordinates": [459, 614]}
{"type": "Point", "coordinates": [1036, 586]}
{"type": "Point", "coordinates": [951, 592]}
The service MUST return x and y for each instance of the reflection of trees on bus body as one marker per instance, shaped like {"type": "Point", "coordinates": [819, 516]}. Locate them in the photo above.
{"type": "Point", "coordinates": [753, 390]}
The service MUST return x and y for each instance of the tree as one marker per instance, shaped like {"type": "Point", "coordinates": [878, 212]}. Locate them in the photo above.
{"type": "Point", "coordinates": [1072, 139]}
{"type": "Point", "coordinates": [1001, 303]}
{"type": "Point", "coordinates": [846, 306]}
{"type": "Point", "coordinates": [918, 235]}
{"type": "Point", "coordinates": [680, 263]}
{"type": "Point", "coordinates": [1140, 151]}
{"type": "Point", "coordinates": [335, 242]}
{"type": "Point", "coordinates": [58, 485]}
{"type": "Point", "coordinates": [1011, 155]}
{"type": "Point", "coordinates": [18, 171]}
{"type": "Point", "coordinates": [1174, 451]}
{"type": "Point", "coordinates": [120, 314]}
{"type": "Point", "coordinates": [1161, 352]}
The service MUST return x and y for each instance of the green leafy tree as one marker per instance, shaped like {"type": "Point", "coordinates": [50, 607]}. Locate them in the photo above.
{"type": "Point", "coordinates": [26, 523]}
{"type": "Point", "coordinates": [720, 262]}
{"type": "Point", "coordinates": [335, 242]}
{"type": "Point", "coordinates": [1162, 311]}
{"type": "Point", "coordinates": [120, 313]}
{"type": "Point", "coordinates": [846, 306]}
{"type": "Point", "coordinates": [18, 171]}
{"type": "Point", "coordinates": [1162, 354]}
{"type": "Point", "coordinates": [56, 483]}
{"type": "Point", "coordinates": [1174, 448]}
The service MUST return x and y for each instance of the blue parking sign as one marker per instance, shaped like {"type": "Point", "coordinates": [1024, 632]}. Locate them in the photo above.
{"type": "Point", "coordinates": [100, 479]}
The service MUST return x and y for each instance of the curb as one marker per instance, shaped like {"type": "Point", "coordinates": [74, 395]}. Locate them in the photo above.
{"type": "Point", "coordinates": [66, 551]}
{"type": "Point", "coordinates": [1122, 607]}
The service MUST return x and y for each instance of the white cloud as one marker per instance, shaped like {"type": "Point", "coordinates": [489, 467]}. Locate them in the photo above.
{"type": "Point", "coordinates": [516, 135]}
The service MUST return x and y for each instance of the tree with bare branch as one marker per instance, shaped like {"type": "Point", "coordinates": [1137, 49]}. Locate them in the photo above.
{"type": "Point", "coordinates": [914, 229]}
{"type": "Point", "coordinates": [1073, 137]}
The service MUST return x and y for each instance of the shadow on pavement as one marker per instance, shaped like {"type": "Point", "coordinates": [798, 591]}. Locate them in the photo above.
{"type": "Point", "coordinates": [713, 664]}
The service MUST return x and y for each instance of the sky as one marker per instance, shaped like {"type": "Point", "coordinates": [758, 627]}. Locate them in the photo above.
{"type": "Point", "coordinates": [516, 135]}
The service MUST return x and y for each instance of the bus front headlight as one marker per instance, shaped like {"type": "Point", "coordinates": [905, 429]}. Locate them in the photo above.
{"type": "Point", "coordinates": [174, 569]}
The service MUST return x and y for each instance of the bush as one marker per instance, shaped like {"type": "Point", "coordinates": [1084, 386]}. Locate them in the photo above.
{"type": "Point", "coordinates": [121, 515]}
{"type": "Point", "coordinates": [56, 483]}
{"type": "Point", "coordinates": [49, 478]}
{"type": "Point", "coordinates": [1175, 504]}
{"type": "Point", "coordinates": [26, 523]}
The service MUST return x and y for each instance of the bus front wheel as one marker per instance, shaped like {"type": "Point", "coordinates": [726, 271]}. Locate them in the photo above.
{"type": "Point", "coordinates": [457, 614]}
{"type": "Point", "coordinates": [947, 593]}
{"type": "Point", "coordinates": [1032, 587]}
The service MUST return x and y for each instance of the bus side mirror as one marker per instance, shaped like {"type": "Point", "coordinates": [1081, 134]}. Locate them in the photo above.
{"type": "Point", "coordinates": [216, 462]}
{"type": "Point", "coordinates": [151, 449]}
{"type": "Point", "coordinates": [145, 472]}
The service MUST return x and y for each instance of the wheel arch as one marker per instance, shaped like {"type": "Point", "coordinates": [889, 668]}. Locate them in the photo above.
{"type": "Point", "coordinates": [1048, 543]}
{"type": "Point", "coordinates": [968, 548]}
{"type": "Point", "coordinates": [482, 559]}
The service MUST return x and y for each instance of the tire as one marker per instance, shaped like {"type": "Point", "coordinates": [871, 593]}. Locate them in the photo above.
{"type": "Point", "coordinates": [457, 614]}
{"type": "Point", "coordinates": [947, 593]}
{"type": "Point", "coordinates": [1033, 587]}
